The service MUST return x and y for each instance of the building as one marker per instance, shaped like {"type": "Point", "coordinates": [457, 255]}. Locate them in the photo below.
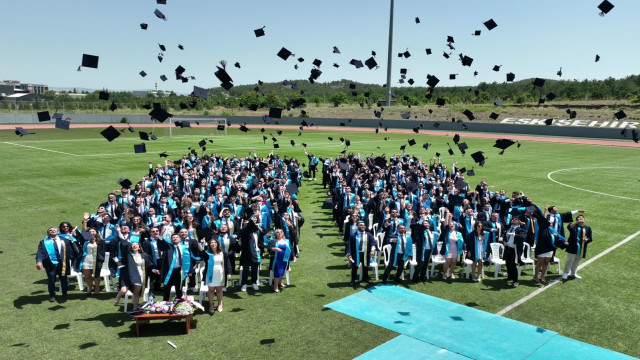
{"type": "Point", "coordinates": [12, 87]}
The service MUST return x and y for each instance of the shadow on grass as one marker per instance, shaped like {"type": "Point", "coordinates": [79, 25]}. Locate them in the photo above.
{"type": "Point", "coordinates": [21, 301]}
{"type": "Point", "coordinates": [116, 319]}
{"type": "Point", "coordinates": [61, 326]}
{"type": "Point", "coordinates": [339, 244]}
{"type": "Point", "coordinates": [87, 345]}
{"type": "Point", "coordinates": [337, 267]}
{"type": "Point", "coordinates": [267, 341]}
{"type": "Point", "coordinates": [328, 226]}
{"type": "Point", "coordinates": [341, 284]}
{"type": "Point", "coordinates": [159, 328]}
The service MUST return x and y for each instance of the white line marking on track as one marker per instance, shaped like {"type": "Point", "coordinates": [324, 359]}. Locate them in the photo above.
{"type": "Point", "coordinates": [37, 148]}
{"type": "Point", "coordinates": [591, 191]}
{"type": "Point", "coordinates": [540, 290]}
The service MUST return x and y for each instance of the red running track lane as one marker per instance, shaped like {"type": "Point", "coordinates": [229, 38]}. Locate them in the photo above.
{"type": "Point", "coordinates": [540, 138]}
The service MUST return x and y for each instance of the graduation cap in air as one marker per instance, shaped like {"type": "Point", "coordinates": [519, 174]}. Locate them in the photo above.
{"type": "Point", "coordinates": [159, 114]}
{"type": "Point", "coordinates": [161, 2]}
{"type": "Point", "coordinates": [446, 56]}
{"type": "Point", "coordinates": [634, 135]}
{"type": "Point", "coordinates": [275, 113]}
{"type": "Point", "coordinates": [597, 58]}
{"type": "Point", "coordinates": [163, 77]}
{"type": "Point", "coordinates": [493, 116]}
{"type": "Point", "coordinates": [44, 116]}
{"type": "Point", "coordinates": [347, 142]}
{"type": "Point", "coordinates": [110, 133]}
{"type": "Point", "coordinates": [406, 115]}
{"type": "Point", "coordinates": [432, 80]}
{"type": "Point", "coordinates": [140, 148]}
{"type": "Point", "coordinates": [548, 122]}
{"type": "Point", "coordinates": [162, 47]}
{"type": "Point", "coordinates": [293, 143]}
{"type": "Point", "coordinates": [620, 115]}
{"type": "Point", "coordinates": [450, 151]}
{"type": "Point", "coordinates": [497, 102]}
{"type": "Point", "coordinates": [452, 76]}
{"type": "Point", "coordinates": [371, 63]}
{"type": "Point", "coordinates": [259, 32]}
{"type": "Point", "coordinates": [62, 124]}
{"type": "Point", "coordinates": [103, 95]}
{"type": "Point", "coordinates": [411, 142]}
{"type": "Point", "coordinates": [200, 92]}
{"type": "Point", "coordinates": [142, 73]}
{"type": "Point", "coordinates": [403, 147]}
{"type": "Point", "coordinates": [153, 137]}
{"type": "Point", "coordinates": [511, 77]}
{"type": "Point", "coordinates": [143, 26]}
{"type": "Point", "coordinates": [317, 62]}
{"type": "Point", "coordinates": [469, 115]}
{"type": "Point", "coordinates": [440, 101]}
{"type": "Point", "coordinates": [330, 138]}
{"type": "Point", "coordinates": [463, 147]}
{"type": "Point", "coordinates": [572, 113]}
{"type": "Point", "coordinates": [143, 135]}
{"type": "Point", "coordinates": [377, 114]}
{"type": "Point", "coordinates": [159, 15]}
{"type": "Point", "coordinates": [406, 54]}
{"type": "Point", "coordinates": [410, 81]}
{"type": "Point", "coordinates": [416, 130]}
{"type": "Point", "coordinates": [160, 58]}
{"type": "Point", "coordinates": [243, 128]}
{"type": "Point", "coordinates": [537, 82]}
{"type": "Point", "coordinates": [605, 7]}
{"type": "Point", "coordinates": [490, 24]}
{"type": "Point", "coordinates": [113, 106]}
{"type": "Point", "coordinates": [279, 132]}
{"type": "Point", "coordinates": [550, 96]}
{"type": "Point", "coordinates": [426, 146]}
{"type": "Point", "coordinates": [183, 106]}
{"type": "Point", "coordinates": [476, 33]}
{"type": "Point", "coordinates": [202, 143]}
{"type": "Point", "coordinates": [503, 144]}
{"type": "Point", "coordinates": [357, 63]}
{"type": "Point", "coordinates": [284, 54]}
{"type": "Point", "coordinates": [124, 183]}
{"type": "Point", "coordinates": [478, 157]}
{"type": "Point", "coordinates": [496, 68]}
{"type": "Point", "coordinates": [90, 61]}
{"type": "Point", "coordinates": [466, 61]}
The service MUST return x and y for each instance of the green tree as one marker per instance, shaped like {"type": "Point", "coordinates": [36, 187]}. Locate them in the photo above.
{"type": "Point", "coordinates": [339, 98]}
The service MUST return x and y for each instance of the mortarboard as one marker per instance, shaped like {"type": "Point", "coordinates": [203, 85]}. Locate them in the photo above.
{"type": "Point", "coordinates": [110, 133]}
{"type": "Point", "coordinates": [131, 129]}
{"type": "Point", "coordinates": [403, 147]}
{"type": "Point", "coordinates": [160, 58]}
{"type": "Point", "coordinates": [90, 61]}
{"type": "Point", "coordinates": [153, 137]}
{"type": "Point", "coordinates": [597, 58]}
{"type": "Point", "coordinates": [284, 54]}
{"type": "Point", "coordinates": [471, 173]}
{"type": "Point", "coordinates": [452, 76]}
{"type": "Point", "coordinates": [259, 32]}
{"type": "Point", "coordinates": [317, 62]}
{"type": "Point", "coordinates": [276, 146]}
{"type": "Point", "coordinates": [357, 63]}
{"type": "Point", "coordinates": [162, 47]}
{"type": "Point", "coordinates": [537, 82]}
{"type": "Point", "coordinates": [440, 101]}
{"type": "Point", "coordinates": [620, 115]}
{"type": "Point", "coordinates": [477, 33]}
{"type": "Point", "coordinates": [142, 73]}
{"type": "Point", "coordinates": [143, 26]}
{"type": "Point", "coordinates": [371, 63]}
{"type": "Point", "coordinates": [503, 144]}
{"type": "Point", "coordinates": [466, 61]}
{"type": "Point", "coordinates": [450, 151]}
{"type": "Point", "coordinates": [347, 142]}
{"type": "Point", "coordinates": [462, 147]}
{"type": "Point", "coordinates": [438, 154]}
{"type": "Point", "coordinates": [44, 116]}
{"type": "Point", "coordinates": [163, 154]}
{"type": "Point", "coordinates": [21, 131]}
{"type": "Point", "coordinates": [511, 76]}
{"type": "Point", "coordinates": [490, 24]}
{"type": "Point", "coordinates": [237, 64]}
{"type": "Point", "coordinates": [417, 20]}
{"type": "Point", "coordinates": [180, 70]}
{"type": "Point", "coordinates": [124, 183]}
{"type": "Point", "coordinates": [428, 51]}
{"type": "Point", "coordinates": [416, 129]}
{"type": "Point", "coordinates": [605, 7]}
{"type": "Point", "coordinates": [113, 106]}
{"type": "Point", "coordinates": [184, 124]}
{"type": "Point", "coordinates": [183, 106]}
{"type": "Point", "coordinates": [56, 116]}
{"type": "Point", "coordinates": [140, 148]}
{"type": "Point", "coordinates": [159, 15]}
{"type": "Point", "coordinates": [103, 95]}
{"type": "Point", "coordinates": [456, 138]}
{"type": "Point", "coordinates": [220, 128]}
{"type": "Point", "coordinates": [411, 82]}
{"type": "Point", "coordinates": [143, 135]}
{"type": "Point", "coordinates": [496, 67]}
{"type": "Point", "coordinates": [335, 65]}
{"type": "Point", "coordinates": [425, 146]}
{"type": "Point", "coordinates": [469, 115]}
{"type": "Point", "coordinates": [497, 102]}
{"type": "Point", "coordinates": [62, 124]}
{"type": "Point", "coordinates": [293, 143]}
{"type": "Point", "coordinates": [411, 142]}
{"type": "Point", "coordinates": [291, 189]}
{"type": "Point", "coordinates": [548, 122]}
{"type": "Point", "coordinates": [200, 92]}
{"type": "Point", "coordinates": [275, 113]}
{"type": "Point", "coordinates": [163, 77]}
{"type": "Point", "coordinates": [161, 2]}
{"type": "Point", "coordinates": [335, 50]}
{"type": "Point", "coordinates": [436, 124]}
{"type": "Point", "coordinates": [634, 135]}
{"type": "Point", "coordinates": [478, 157]}
{"type": "Point", "coordinates": [406, 54]}
{"type": "Point", "coordinates": [450, 39]}
{"type": "Point", "coordinates": [551, 96]}
{"type": "Point", "coordinates": [559, 73]}
{"type": "Point", "coordinates": [330, 138]}
{"type": "Point", "coordinates": [243, 128]}
{"type": "Point", "coordinates": [406, 115]}
{"type": "Point", "coordinates": [279, 132]}
{"type": "Point", "coordinates": [432, 80]}
{"type": "Point", "coordinates": [494, 116]}
{"type": "Point", "coordinates": [180, 47]}
{"type": "Point", "coordinates": [159, 114]}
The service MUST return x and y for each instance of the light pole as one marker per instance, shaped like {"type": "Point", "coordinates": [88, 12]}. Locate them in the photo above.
{"type": "Point", "coordinates": [389, 54]}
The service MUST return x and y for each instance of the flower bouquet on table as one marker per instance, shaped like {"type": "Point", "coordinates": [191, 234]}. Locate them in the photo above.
{"type": "Point", "coordinates": [186, 305]}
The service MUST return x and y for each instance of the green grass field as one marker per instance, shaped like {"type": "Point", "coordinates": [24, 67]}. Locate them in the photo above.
{"type": "Point", "coordinates": [55, 176]}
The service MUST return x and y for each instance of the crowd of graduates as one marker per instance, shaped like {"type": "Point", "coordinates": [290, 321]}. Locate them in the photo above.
{"type": "Point", "coordinates": [199, 217]}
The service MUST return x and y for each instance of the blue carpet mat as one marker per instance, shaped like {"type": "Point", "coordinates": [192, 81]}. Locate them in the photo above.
{"type": "Point", "coordinates": [406, 347]}
{"type": "Point", "coordinates": [457, 328]}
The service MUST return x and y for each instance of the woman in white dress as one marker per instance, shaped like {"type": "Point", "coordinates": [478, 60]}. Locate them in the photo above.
{"type": "Point", "coordinates": [217, 266]}
{"type": "Point", "coordinates": [93, 252]}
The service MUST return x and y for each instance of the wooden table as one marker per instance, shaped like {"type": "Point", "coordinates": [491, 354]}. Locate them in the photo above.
{"type": "Point", "coordinates": [145, 318]}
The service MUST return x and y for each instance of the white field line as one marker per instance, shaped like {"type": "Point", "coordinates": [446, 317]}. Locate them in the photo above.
{"type": "Point", "coordinates": [591, 191]}
{"type": "Point", "coordinates": [37, 148]}
{"type": "Point", "coordinates": [540, 290]}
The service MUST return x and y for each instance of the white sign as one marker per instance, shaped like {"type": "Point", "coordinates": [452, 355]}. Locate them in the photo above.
{"type": "Point", "coordinates": [614, 124]}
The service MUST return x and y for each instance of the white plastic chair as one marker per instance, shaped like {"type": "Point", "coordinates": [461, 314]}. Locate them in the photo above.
{"type": "Point", "coordinates": [374, 228]}
{"type": "Point", "coordinates": [554, 261]}
{"type": "Point", "coordinates": [204, 289]}
{"type": "Point", "coordinates": [436, 258]}
{"type": "Point", "coordinates": [467, 263]}
{"type": "Point", "coordinates": [526, 258]}
{"type": "Point", "coordinates": [370, 221]}
{"type": "Point", "coordinates": [497, 251]}
{"type": "Point", "coordinates": [78, 276]}
{"type": "Point", "coordinates": [286, 275]}
{"type": "Point", "coordinates": [373, 264]}
{"type": "Point", "coordinates": [105, 273]}
{"type": "Point", "coordinates": [145, 295]}
{"type": "Point", "coordinates": [386, 254]}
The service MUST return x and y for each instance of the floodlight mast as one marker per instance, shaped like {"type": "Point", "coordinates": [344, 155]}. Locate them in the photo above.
{"type": "Point", "coordinates": [389, 57]}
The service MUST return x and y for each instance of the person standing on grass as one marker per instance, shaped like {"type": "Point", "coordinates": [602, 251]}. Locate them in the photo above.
{"type": "Point", "coordinates": [91, 258]}
{"type": "Point", "coordinates": [216, 268]}
{"type": "Point", "coordinates": [476, 243]}
{"type": "Point", "coordinates": [576, 246]}
{"type": "Point", "coordinates": [134, 274]}
{"type": "Point", "coordinates": [514, 240]}
{"type": "Point", "coordinates": [55, 255]}
{"type": "Point", "coordinates": [280, 249]}
{"type": "Point", "coordinates": [401, 251]}
{"type": "Point", "coordinates": [453, 245]}
{"type": "Point", "coordinates": [548, 241]}
{"type": "Point", "coordinates": [313, 164]}
{"type": "Point", "coordinates": [361, 248]}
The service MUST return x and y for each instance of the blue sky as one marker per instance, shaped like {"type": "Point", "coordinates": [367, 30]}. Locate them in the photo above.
{"type": "Point", "coordinates": [43, 41]}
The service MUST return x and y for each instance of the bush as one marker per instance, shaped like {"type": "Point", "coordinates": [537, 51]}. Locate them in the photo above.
{"type": "Point", "coordinates": [123, 120]}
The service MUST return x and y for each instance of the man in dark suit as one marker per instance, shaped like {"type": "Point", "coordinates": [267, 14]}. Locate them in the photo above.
{"type": "Point", "coordinates": [423, 238]}
{"type": "Point", "coordinates": [513, 244]}
{"type": "Point", "coordinates": [55, 255]}
{"type": "Point", "coordinates": [361, 248]}
{"type": "Point", "coordinates": [171, 264]}
{"type": "Point", "coordinates": [250, 256]}
{"type": "Point", "coordinates": [401, 251]}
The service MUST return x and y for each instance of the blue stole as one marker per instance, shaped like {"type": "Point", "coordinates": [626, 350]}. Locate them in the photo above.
{"type": "Point", "coordinates": [153, 251]}
{"type": "Point", "coordinates": [50, 246]}
{"type": "Point", "coordinates": [578, 233]}
{"type": "Point", "coordinates": [206, 221]}
{"type": "Point", "coordinates": [257, 233]}
{"type": "Point", "coordinates": [173, 263]}
{"type": "Point", "coordinates": [287, 255]}
{"type": "Point", "coordinates": [210, 264]}
{"type": "Point", "coordinates": [364, 243]}
{"type": "Point", "coordinates": [424, 245]}
{"type": "Point", "coordinates": [133, 238]}
{"type": "Point", "coordinates": [407, 249]}
{"type": "Point", "coordinates": [186, 260]}
{"type": "Point", "coordinates": [555, 233]}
